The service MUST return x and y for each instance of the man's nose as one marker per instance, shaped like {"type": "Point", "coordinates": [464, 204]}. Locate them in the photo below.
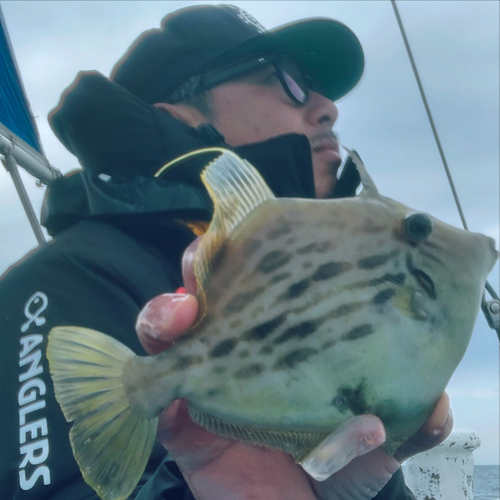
{"type": "Point", "coordinates": [321, 110]}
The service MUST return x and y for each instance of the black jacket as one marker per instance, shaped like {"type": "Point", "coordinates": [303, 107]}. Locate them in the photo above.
{"type": "Point", "coordinates": [117, 244]}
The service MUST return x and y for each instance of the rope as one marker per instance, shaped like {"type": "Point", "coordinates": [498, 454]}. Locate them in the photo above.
{"type": "Point", "coordinates": [488, 287]}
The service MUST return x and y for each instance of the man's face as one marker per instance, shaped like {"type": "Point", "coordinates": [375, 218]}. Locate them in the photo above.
{"type": "Point", "coordinates": [256, 107]}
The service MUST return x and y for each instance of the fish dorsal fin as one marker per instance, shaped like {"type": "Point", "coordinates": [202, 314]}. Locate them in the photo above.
{"type": "Point", "coordinates": [236, 188]}
{"type": "Point", "coordinates": [369, 188]}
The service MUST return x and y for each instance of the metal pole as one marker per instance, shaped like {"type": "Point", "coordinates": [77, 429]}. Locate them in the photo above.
{"type": "Point", "coordinates": [11, 166]}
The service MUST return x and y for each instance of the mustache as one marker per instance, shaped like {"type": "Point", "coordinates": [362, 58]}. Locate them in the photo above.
{"type": "Point", "coordinates": [316, 139]}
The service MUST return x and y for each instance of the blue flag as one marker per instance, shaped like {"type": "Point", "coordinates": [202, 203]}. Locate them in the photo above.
{"type": "Point", "coordinates": [15, 113]}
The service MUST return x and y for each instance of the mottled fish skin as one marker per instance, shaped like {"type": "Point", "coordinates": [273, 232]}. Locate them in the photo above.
{"type": "Point", "coordinates": [329, 319]}
{"type": "Point", "coordinates": [310, 312]}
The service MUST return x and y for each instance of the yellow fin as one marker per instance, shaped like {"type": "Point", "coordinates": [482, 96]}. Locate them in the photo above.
{"type": "Point", "coordinates": [110, 441]}
{"type": "Point", "coordinates": [236, 188]}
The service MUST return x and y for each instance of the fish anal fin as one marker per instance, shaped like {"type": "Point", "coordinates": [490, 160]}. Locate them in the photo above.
{"type": "Point", "coordinates": [298, 444]}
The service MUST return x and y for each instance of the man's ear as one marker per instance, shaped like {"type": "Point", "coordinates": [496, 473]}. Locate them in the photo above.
{"type": "Point", "coordinates": [182, 112]}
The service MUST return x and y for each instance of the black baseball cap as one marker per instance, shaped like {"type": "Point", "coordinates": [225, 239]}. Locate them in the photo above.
{"type": "Point", "coordinates": [194, 40]}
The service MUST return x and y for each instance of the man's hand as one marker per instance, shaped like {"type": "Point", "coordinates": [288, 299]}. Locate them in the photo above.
{"type": "Point", "coordinates": [351, 460]}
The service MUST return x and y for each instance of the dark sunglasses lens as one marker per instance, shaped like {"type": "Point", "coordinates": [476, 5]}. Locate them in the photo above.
{"type": "Point", "coordinates": [295, 80]}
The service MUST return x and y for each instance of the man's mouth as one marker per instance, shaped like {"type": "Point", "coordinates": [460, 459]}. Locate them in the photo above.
{"type": "Point", "coordinates": [324, 140]}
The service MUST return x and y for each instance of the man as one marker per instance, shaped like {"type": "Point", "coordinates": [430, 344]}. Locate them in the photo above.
{"type": "Point", "coordinates": [210, 76]}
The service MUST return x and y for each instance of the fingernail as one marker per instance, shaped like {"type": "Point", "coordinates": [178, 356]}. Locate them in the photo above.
{"type": "Point", "coordinates": [443, 428]}
{"type": "Point", "coordinates": [158, 314]}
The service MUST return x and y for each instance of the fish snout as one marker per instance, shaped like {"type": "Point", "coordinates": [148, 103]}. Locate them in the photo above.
{"type": "Point", "coordinates": [492, 247]}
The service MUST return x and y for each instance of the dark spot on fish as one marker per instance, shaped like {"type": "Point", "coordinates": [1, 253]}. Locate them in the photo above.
{"type": "Point", "coordinates": [250, 247]}
{"type": "Point", "coordinates": [218, 258]}
{"type": "Point", "coordinates": [235, 324]}
{"type": "Point", "coordinates": [279, 277]}
{"type": "Point", "coordinates": [424, 280]}
{"type": "Point", "coordinates": [352, 399]}
{"type": "Point", "coordinates": [184, 362]}
{"type": "Point", "coordinates": [307, 265]}
{"type": "Point", "coordinates": [330, 270]}
{"type": "Point", "coordinates": [241, 300]}
{"type": "Point", "coordinates": [397, 279]}
{"type": "Point", "coordinates": [296, 290]}
{"type": "Point", "coordinates": [281, 230]}
{"type": "Point", "coordinates": [297, 332]}
{"type": "Point", "coordinates": [262, 331]}
{"type": "Point", "coordinates": [215, 391]}
{"type": "Point", "coordinates": [375, 260]}
{"type": "Point", "coordinates": [290, 241]}
{"type": "Point", "coordinates": [290, 360]}
{"type": "Point", "coordinates": [383, 296]}
{"type": "Point", "coordinates": [249, 371]}
{"type": "Point", "coordinates": [219, 370]}
{"type": "Point", "coordinates": [266, 349]}
{"type": "Point", "coordinates": [244, 354]}
{"type": "Point", "coordinates": [272, 261]}
{"type": "Point", "coordinates": [345, 309]}
{"type": "Point", "coordinates": [223, 348]}
{"type": "Point", "coordinates": [358, 332]}
{"type": "Point", "coordinates": [318, 247]}
{"type": "Point", "coordinates": [326, 345]}
{"type": "Point", "coordinates": [341, 403]}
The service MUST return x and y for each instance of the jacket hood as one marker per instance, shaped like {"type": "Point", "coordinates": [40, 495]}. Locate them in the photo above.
{"type": "Point", "coordinates": [121, 142]}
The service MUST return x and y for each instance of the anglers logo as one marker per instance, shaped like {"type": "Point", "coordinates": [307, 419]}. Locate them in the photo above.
{"type": "Point", "coordinates": [34, 446]}
{"type": "Point", "coordinates": [248, 19]}
{"type": "Point", "coordinates": [40, 301]}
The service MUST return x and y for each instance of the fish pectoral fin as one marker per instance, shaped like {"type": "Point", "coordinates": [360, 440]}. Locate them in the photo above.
{"type": "Point", "coordinates": [298, 444]}
{"type": "Point", "coordinates": [110, 441]}
{"type": "Point", "coordinates": [236, 188]}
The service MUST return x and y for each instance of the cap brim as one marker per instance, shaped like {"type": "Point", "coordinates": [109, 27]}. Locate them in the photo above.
{"type": "Point", "coordinates": [327, 50]}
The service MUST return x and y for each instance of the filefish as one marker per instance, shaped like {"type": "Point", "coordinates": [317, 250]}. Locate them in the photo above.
{"type": "Point", "coordinates": [311, 312]}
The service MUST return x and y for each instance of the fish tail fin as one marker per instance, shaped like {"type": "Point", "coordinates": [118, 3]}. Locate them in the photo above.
{"type": "Point", "coordinates": [111, 440]}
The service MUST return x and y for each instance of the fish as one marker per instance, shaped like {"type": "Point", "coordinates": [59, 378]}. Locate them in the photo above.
{"type": "Point", "coordinates": [311, 312]}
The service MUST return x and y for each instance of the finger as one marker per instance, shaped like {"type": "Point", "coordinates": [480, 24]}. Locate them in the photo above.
{"type": "Point", "coordinates": [165, 318]}
{"type": "Point", "coordinates": [356, 437]}
{"type": "Point", "coordinates": [188, 276]}
{"type": "Point", "coordinates": [361, 479]}
{"type": "Point", "coordinates": [434, 431]}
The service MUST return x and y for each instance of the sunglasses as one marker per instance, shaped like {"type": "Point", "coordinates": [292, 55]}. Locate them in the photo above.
{"type": "Point", "coordinates": [294, 81]}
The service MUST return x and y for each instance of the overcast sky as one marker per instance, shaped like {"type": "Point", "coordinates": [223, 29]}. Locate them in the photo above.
{"type": "Point", "coordinates": [456, 48]}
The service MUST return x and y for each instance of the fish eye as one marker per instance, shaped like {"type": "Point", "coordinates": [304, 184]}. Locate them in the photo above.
{"type": "Point", "coordinates": [418, 227]}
